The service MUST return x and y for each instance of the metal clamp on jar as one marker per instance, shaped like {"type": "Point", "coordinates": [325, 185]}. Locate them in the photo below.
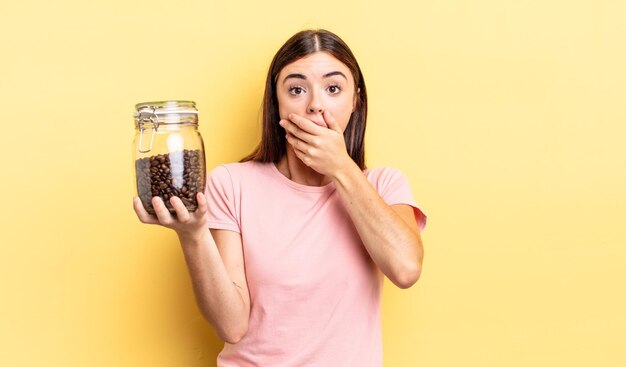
{"type": "Point", "coordinates": [169, 153]}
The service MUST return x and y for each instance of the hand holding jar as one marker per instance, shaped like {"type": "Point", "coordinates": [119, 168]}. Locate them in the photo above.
{"type": "Point", "coordinates": [170, 170]}
{"type": "Point", "coordinates": [191, 225]}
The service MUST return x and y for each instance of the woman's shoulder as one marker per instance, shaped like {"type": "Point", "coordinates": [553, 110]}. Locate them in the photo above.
{"type": "Point", "coordinates": [243, 166]}
{"type": "Point", "coordinates": [238, 170]}
{"type": "Point", "coordinates": [385, 176]}
{"type": "Point", "coordinates": [379, 172]}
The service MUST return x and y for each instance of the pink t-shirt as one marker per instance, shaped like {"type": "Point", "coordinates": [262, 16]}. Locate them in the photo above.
{"type": "Point", "coordinates": [314, 290]}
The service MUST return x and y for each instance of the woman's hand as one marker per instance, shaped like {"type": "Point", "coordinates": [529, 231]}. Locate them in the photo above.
{"type": "Point", "coordinates": [187, 225]}
{"type": "Point", "coordinates": [322, 149]}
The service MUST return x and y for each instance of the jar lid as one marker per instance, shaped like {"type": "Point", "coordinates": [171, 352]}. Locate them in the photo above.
{"type": "Point", "coordinates": [167, 112]}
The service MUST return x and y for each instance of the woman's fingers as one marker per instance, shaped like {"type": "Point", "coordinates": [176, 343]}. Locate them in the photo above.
{"type": "Point", "coordinates": [142, 214]}
{"type": "Point", "coordinates": [181, 211]}
{"type": "Point", "coordinates": [296, 131]}
{"type": "Point", "coordinates": [202, 204]}
{"type": "Point", "coordinates": [312, 128]}
{"type": "Point", "coordinates": [294, 141]}
{"type": "Point", "coordinates": [165, 218]}
{"type": "Point", "coordinates": [163, 215]}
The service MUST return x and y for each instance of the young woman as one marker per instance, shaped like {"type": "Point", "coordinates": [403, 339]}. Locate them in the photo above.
{"type": "Point", "coordinates": [288, 250]}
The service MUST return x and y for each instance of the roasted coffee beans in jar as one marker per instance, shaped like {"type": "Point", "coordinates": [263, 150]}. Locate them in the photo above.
{"type": "Point", "coordinates": [168, 153]}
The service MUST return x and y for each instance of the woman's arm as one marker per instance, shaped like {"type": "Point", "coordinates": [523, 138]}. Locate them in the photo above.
{"type": "Point", "coordinates": [215, 262]}
{"type": "Point", "coordinates": [389, 233]}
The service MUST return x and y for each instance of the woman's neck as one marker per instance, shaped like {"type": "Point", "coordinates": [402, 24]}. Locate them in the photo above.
{"type": "Point", "coordinates": [294, 169]}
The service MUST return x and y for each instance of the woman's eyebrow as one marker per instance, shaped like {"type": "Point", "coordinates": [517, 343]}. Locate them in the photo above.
{"type": "Point", "coordinates": [296, 76]}
{"type": "Point", "coordinates": [336, 73]}
{"type": "Point", "coordinates": [301, 76]}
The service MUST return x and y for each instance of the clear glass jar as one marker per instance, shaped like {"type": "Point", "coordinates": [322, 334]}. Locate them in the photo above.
{"type": "Point", "coordinates": [168, 153]}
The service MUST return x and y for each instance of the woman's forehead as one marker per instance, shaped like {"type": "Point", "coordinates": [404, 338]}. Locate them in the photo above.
{"type": "Point", "coordinates": [315, 65]}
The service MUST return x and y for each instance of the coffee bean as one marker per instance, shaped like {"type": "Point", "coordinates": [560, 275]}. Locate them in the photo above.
{"type": "Point", "coordinates": [178, 173]}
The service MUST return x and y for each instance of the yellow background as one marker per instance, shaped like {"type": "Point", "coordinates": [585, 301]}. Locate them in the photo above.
{"type": "Point", "coordinates": [507, 116]}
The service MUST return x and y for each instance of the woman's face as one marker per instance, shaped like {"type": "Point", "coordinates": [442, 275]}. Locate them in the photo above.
{"type": "Point", "coordinates": [313, 84]}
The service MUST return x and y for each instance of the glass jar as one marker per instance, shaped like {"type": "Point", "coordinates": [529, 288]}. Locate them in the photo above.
{"type": "Point", "coordinates": [168, 153]}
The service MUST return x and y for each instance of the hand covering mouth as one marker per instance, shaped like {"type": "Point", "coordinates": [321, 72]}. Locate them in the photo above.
{"type": "Point", "coordinates": [320, 123]}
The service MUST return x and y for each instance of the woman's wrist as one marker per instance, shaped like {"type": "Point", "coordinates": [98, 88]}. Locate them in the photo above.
{"type": "Point", "coordinates": [192, 238]}
{"type": "Point", "coordinates": [340, 175]}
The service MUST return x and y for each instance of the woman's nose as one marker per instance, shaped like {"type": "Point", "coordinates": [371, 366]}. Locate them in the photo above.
{"type": "Point", "coordinates": [315, 104]}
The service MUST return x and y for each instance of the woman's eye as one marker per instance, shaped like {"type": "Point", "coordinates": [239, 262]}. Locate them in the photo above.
{"type": "Point", "coordinates": [334, 89]}
{"type": "Point", "coordinates": [296, 90]}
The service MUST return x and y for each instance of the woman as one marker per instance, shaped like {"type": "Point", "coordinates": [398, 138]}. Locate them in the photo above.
{"type": "Point", "coordinates": [288, 250]}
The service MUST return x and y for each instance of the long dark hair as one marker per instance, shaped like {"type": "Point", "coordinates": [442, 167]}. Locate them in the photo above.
{"type": "Point", "coordinates": [273, 143]}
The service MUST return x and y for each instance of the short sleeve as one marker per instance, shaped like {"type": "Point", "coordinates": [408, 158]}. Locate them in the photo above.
{"type": "Point", "coordinates": [220, 193]}
{"type": "Point", "coordinates": [394, 188]}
